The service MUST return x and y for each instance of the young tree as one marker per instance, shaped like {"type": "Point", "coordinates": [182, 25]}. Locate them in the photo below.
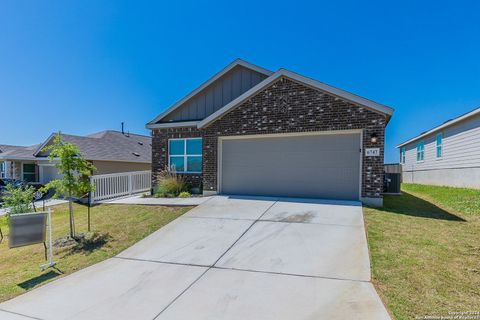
{"type": "Point", "coordinates": [75, 172]}
{"type": "Point", "coordinates": [19, 200]}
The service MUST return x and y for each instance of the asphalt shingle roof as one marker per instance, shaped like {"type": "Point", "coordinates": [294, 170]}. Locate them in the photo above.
{"type": "Point", "coordinates": [106, 145]}
{"type": "Point", "coordinates": [18, 151]}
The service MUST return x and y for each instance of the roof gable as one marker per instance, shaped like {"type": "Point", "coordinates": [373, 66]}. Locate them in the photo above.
{"type": "Point", "coordinates": [215, 93]}
{"type": "Point", "coordinates": [369, 104]}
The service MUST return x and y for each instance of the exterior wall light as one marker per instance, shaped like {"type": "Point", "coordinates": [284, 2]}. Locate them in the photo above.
{"type": "Point", "coordinates": [374, 138]}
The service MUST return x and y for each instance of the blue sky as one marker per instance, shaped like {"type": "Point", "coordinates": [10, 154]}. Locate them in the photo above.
{"type": "Point", "coordinates": [85, 66]}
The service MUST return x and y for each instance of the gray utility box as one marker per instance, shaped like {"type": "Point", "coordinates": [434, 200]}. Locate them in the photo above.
{"type": "Point", "coordinates": [392, 183]}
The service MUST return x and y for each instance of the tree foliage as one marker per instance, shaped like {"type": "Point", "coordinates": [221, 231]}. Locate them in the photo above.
{"type": "Point", "coordinates": [74, 170]}
{"type": "Point", "coordinates": [18, 199]}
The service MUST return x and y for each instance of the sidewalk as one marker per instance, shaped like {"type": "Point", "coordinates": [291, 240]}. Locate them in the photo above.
{"type": "Point", "coordinates": [39, 205]}
{"type": "Point", "coordinates": [139, 199]}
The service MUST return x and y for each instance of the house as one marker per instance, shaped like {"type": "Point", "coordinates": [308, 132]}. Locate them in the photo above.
{"type": "Point", "coordinates": [251, 131]}
{"type": "Point", "coordinates": [447, 155]}
{"type": "Point", "coordinates": [109, 151]}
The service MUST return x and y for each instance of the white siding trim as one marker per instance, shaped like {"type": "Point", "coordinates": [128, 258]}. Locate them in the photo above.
{"type": "Point", "coordinates": [173, 125]}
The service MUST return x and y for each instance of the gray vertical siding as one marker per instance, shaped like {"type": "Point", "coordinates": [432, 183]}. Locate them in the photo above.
{"type": "Point", "coordinates": [461, 154]}
{"type": "Point", "coordinates": [219, 93]}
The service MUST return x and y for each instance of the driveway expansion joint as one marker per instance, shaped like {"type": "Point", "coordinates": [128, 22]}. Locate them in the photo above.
{"type": "Point", "coordinates": [164, 262]}
{"type": "Point", "coordinates": [213, 266]}
{"type": "Point", "coordinates": [290, 274]}
{"type": "Point", "coordinates": [240, 269]}
{"type": "Point", "coordinates": [20, 314]}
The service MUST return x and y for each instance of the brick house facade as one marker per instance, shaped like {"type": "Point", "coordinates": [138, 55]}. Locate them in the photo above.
{"type": "Point", "coordinates": [286, 105]}
{"type": "Point", "coordinates": [304, 109]}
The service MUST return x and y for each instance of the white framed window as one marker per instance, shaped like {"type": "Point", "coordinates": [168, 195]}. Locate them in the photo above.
{"type": "Point", "coordinates": [185, 155]}
{"type": "Point", "coordinates": [439, 143]}
{"type": "Point", "coordinates": [29, 172]}
{"type": "Point", "coordinates": [2, 169]}
{"type": "Point", "coordinates": [402, 154]}
{"type": "Point", "coordinates": [420, 151]}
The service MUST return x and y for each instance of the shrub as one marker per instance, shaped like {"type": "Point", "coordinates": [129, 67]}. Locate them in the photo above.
{"type": "Point", "coordinates": [184, 194]}
{"type": "Point", "coordinates": [18, 199]}
{"type": "Point", "coordinates": [170, 184]}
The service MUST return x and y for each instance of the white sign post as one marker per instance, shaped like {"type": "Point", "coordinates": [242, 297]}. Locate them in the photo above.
{"type": "Point", "coordinates": [50, 263]}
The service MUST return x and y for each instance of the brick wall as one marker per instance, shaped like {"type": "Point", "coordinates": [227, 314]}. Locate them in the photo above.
{"type": "Point", "coordinates": [284, 107]}
{"type": "Point", "coordinates": [160, 151]}
{"type": "Point", "coordinates": [287, 106]}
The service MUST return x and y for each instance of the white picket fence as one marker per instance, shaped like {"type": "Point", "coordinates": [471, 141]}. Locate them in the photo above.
{"type": "Point", "coordinates": [115, 185]}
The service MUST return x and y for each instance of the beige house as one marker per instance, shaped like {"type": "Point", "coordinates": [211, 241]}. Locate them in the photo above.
{"type": "Point", "coordinates": [109, 151]}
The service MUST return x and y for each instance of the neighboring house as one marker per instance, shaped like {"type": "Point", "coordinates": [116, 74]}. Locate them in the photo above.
{"type": "Point", "coordinates": [251, 131]}
{"type": "Point", "coordinates": [109, 151]}
{"type": "Point", "coordinates": [447, 155]}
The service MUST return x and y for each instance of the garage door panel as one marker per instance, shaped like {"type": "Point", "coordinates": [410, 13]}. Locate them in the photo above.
{"type": "Point", "coordinates": [299, 143]}
{"type": "Point", "coordinates": [300, 179]}
{"type": "Point", "coordinates": [306, 158]}
{"type": "Point", "coordinates": [325, 166]}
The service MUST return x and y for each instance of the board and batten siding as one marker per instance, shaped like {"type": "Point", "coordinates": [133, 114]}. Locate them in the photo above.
{"type": "Point", "coordinates": [459, 165]}
{"type": "Point", "coordinates": [216, 95]}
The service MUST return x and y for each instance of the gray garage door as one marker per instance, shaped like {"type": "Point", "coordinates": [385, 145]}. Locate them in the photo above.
{"type": "Point", "coordinates": [317, 166]}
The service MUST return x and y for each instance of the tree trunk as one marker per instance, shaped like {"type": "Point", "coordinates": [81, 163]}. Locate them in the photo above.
{"type": "Point", "coordinates": [72, 224]}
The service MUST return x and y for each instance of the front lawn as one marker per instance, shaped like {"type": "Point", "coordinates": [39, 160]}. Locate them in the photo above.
{"type": "Point", "coordinates": [124, 224]}
{"type": "Point", "coordinates": [425, 249]}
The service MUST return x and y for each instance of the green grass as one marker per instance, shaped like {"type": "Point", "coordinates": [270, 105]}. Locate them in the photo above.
{"type": "Point", "coordinates": [425, 249]}
{"type": "Point", "coordinates": [125, 225]}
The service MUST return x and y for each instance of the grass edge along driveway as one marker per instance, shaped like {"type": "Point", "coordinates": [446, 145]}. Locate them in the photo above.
{"type": "Point", "coordinates": [120, 225]}
{"type": "Point", "coordinates": [425, 250]}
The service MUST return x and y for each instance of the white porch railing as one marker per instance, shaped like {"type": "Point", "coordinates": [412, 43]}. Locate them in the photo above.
{"type": "Point", "coordinates": [109, 186]}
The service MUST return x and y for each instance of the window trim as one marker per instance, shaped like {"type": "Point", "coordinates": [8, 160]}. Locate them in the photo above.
{"type": "Point", "coordinates": [422, 151]}
{"type": "Point", "coordinates": [403, 152]}
{"type": "Point", "coordinates": [439, 146]}
{"type": "Point", "coordinates": [3, 169]}
{"type": "Point", "coordinates": [34, 173]}
{"type": "Point", "coordinates": [185, 155]}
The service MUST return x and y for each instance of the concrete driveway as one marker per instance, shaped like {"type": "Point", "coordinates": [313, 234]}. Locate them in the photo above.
{"type": "Point", "coordinates": [229, 258]}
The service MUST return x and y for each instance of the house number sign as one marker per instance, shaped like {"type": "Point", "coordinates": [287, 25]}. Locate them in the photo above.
{"type": "Point", "coordinates": [372, 152]}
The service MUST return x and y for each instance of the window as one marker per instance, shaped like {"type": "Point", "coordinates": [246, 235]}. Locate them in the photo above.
{"type": "Point", "coordinates": [185, 155]}
{"type": "Point", "coordinates": [439, 145]}
{"type": "Point", "coordinates": [402, 155]}
{"type": "Point", "coordinates": [29, 172]}
{"type": "Point", "coordinates": [2, 169]}
{"type": "Point", "coordinates": [420, 151]}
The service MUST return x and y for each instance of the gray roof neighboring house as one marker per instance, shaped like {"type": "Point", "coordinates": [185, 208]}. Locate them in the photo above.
{"type": "Point", "coordinates": [102, 146]}
{"type": "Point", "coordinates": [446, 124]}
{"type": "Point", "coordinates": [17, 152]}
